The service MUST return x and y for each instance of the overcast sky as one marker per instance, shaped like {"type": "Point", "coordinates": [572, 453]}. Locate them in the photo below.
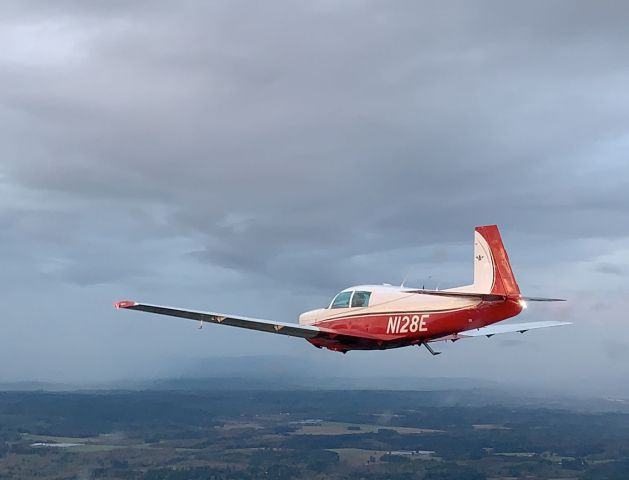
{"type": "Point", "coordinates": [256, 157]}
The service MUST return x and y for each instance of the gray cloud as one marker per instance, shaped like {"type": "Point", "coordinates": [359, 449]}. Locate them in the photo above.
{"type": "Point", "coordinates": [302, 147]}
{"type": "Point", "coordinates": [610, 268]}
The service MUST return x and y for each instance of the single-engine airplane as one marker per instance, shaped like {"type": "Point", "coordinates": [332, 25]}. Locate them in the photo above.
{"type": "Point", "coordinates": [379, 317]}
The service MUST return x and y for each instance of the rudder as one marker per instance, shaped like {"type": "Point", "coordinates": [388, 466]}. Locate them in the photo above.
{"type": "Point", "coordinates": [492, 269]}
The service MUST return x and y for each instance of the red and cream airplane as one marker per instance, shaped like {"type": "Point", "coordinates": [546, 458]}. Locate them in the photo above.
{"type": "Point", "coordinates": [379, 317]}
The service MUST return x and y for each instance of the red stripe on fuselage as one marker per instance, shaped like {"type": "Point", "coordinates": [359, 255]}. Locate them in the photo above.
{"type": "Point", "coordinates": [366, 314]}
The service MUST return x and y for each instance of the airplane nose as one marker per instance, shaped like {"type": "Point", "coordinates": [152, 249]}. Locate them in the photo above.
{"type": "Point", "coordinates": [310, 317]}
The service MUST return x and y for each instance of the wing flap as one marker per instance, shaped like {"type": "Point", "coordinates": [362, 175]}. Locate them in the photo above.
{"type": "Point", "coordinates": [281, 328]}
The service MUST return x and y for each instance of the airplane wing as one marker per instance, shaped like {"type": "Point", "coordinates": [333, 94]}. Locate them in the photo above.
{"type": "Point", "coordinates": [281, 328]}
{"type": "Point", "coordinates": [495, 329]}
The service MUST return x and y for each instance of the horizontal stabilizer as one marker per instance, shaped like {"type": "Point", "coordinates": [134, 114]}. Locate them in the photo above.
{"type": "Point", "coordinates": [488, 297]}
{"type": "Point", "coordinates": [543, 299]}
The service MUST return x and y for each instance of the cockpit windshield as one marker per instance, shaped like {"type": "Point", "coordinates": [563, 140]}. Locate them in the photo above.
{"type": "Point", "coordinates": [341, 300]}
{"type": "Point", "coordinates": [357, 299]}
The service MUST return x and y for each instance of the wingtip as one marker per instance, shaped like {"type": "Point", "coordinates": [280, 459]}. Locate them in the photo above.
{"type": "Point", "coordinates": [125, 304]}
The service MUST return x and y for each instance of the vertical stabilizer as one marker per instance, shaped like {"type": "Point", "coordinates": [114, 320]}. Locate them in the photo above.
{"type": "Point", "coordinates": [492, 269]}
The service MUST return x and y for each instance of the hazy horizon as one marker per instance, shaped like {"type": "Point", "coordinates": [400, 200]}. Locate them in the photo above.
{"type": "Point", "coordinates": [271, 372]}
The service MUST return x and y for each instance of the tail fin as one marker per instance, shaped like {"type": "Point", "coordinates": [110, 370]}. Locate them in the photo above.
{"type": "Point", "coordinates": [492, 270]}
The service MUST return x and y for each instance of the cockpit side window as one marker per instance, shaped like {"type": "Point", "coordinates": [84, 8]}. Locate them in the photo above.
{"type": "Point", "coordinates": [341, 300]}
{"type": "Point", "coordinates": [361, 299]}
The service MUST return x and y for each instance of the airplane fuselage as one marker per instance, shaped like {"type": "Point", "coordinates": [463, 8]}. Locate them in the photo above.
{"type": "Point", "coordinates": [397, 317]}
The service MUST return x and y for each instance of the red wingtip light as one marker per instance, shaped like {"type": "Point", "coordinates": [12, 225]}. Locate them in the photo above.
{"type": "Point", "coordinates": [125, 304]}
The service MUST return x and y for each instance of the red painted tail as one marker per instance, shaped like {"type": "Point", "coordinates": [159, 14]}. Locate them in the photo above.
{"type": "Point", "coordinates": [492, 269]}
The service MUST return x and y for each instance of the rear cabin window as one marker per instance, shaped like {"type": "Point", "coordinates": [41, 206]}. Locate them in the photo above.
{"type": "Point", "coordinates": [360, 299]}
{"type": "Point", "coordinates": [341, 300]}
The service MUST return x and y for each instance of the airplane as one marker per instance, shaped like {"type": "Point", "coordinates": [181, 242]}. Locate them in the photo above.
{"type": "Point", "coordinates": [380, 317]}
